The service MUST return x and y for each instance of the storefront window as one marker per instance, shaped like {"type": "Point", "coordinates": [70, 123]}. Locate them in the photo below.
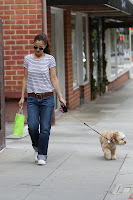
{"type": "Point", "coordinates": [123, 51]}
{"type": "Point", "coordinates": [113, 61]}
{"type": "Point", "coordinates": [95, 54]}
{"type": "Point", "coordinates": [74, 50]}
{"type": "Point", "coordinates": [120, 51]}
{"type": "Point", "coordinates": [84, 45]}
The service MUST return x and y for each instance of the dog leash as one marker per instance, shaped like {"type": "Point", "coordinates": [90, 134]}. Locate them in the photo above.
{"type": "Point", "coordinates": [64, 109]}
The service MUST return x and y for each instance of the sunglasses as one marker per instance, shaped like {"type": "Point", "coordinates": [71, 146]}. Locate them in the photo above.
{"type": "Point", "coordinates": [40, 48]}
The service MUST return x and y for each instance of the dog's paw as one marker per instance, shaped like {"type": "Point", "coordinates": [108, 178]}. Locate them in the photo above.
{"type": "Point", "coordinates": [107, 157]}
{"type": "Point", "coordinates": [114, 157]}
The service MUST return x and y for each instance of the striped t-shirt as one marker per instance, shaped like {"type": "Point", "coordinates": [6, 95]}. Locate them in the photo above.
{"type": "Point", "coordinates": [38, 80]}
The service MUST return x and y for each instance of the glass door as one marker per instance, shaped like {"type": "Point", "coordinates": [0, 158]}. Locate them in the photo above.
{"type": "Point", "coordinates": [57, 44]}
{"type": "Point", "coordinates": [53, 49]}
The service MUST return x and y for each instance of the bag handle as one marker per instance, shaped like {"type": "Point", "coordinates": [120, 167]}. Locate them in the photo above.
{"type": "Point", "coordinates": [20, 112]}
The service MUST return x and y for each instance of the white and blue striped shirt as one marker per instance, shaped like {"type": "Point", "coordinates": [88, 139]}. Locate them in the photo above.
{"type": "Point", "coordinates": [38, 73]}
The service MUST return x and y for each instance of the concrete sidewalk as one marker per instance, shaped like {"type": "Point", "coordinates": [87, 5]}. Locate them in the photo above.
{"type": "Point", "coordinates": [76, 168]}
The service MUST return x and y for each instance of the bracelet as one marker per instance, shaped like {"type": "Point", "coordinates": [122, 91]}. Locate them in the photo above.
{"type": "Point", "coordinates": [59, 95]}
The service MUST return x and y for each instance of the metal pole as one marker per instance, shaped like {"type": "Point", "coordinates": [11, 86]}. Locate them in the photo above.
{"type": "Point", "coordinates": [44, 17]}
{"type": "Point", "coordinates": [2, 92]}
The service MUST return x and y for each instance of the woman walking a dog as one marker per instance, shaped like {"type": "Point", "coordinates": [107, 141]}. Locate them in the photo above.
{"type": "Point", "coordinates": [40, 80]}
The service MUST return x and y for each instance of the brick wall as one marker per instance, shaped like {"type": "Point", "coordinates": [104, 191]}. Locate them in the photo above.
{"type": "Point", "coordinates": [22, 20]}
{"type": "Point", "coordinates": [119, 81]}
{"type": "Point", "coordinates": [85, 92]}
{"type": "Point", "coordinates": [2, 100]}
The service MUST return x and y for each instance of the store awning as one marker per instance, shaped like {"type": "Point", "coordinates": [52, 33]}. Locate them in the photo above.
{"type": "Point", "coordinates": [116, 12]}
{"type": "Point", "coordinates": [119, 21]}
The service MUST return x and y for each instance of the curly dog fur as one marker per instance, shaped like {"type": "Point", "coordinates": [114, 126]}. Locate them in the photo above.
{"type": "Point", "coordinates": [109, 149]}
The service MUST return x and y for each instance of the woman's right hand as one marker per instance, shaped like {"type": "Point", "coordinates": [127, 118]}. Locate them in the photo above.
{"type": "Point", "coordinates": [62, 101]}
{"type": "Point", "coordinates": [21, 102]}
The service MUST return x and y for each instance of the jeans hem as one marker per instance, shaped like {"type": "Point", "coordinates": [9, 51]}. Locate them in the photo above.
{"type": "Point", "coordinates": [42, 157]}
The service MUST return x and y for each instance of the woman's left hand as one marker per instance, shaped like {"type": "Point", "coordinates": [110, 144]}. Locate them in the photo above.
{"type": "Point", "coordinates": [62, 101]}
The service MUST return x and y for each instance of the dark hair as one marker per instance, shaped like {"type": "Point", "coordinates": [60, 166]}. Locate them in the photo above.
{"type": "Point", "coordinates": [43, 37]}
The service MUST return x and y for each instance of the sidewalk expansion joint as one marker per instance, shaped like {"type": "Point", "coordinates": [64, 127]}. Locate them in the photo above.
{"type": "Point", "coordinates": [49, 175]}
{"type": "Point", "coordinates": [57, 167]}
{"type": "Point", "coordinates": [115, 178]}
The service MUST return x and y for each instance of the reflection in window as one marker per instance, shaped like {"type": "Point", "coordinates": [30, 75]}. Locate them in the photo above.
{"type": "Point", "coordinates": [123, 50]}
{"type": "Point", "coordinates": [95, 54]}
{"type": "Point", "coordinates": [113, 61]}
{"type": "Point", "coordinates": [120, 53]}
{"type": "Point", "coordinates": [84, 45]}
{"type": "Point", "coordinates": [74, 50]}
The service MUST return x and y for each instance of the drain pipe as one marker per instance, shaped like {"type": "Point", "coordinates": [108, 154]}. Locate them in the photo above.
{"type": "Point", "coordinates": [44, 17]}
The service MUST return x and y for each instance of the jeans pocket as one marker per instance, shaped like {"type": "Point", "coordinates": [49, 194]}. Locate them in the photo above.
{"type": "Point", "coordinates": [30, 98]}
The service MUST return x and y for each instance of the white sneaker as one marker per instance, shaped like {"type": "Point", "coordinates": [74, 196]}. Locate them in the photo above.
{"type": "Point", "coordinates": [41, 162]}
{"type": "Point", "coordinates": [35, 156]}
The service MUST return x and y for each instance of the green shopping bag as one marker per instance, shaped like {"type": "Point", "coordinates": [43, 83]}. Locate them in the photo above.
{"type": "Point", "coordinates": [19, 123]}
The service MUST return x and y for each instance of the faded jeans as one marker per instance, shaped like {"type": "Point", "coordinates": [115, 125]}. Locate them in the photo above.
{"type": "Point", "coordinates": [40, 113]}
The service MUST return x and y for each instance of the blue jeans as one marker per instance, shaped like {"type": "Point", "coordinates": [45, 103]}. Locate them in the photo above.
{"type": "Point", "coordinates": [40, 113]}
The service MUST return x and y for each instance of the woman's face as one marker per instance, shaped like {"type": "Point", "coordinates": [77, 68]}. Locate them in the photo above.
{"type": "Point", "coordinates": [39, 46]}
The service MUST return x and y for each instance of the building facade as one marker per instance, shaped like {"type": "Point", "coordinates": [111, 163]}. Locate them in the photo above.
{"type": "Point", "coordinates": [80, 34]}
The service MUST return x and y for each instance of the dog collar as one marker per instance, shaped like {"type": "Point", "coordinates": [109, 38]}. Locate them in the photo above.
{"type": "Point", "coordinates": [109, 141]}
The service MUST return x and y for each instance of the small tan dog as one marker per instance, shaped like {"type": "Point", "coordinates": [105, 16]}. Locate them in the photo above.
{"type": "Point", "coordinates": [108, 145]}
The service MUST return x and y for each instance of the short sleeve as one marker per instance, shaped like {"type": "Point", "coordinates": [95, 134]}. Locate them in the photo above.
{"type": "Point", "coordinates": [52, 62]}
{"type": "Point", "coordinates": [25, 63]}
